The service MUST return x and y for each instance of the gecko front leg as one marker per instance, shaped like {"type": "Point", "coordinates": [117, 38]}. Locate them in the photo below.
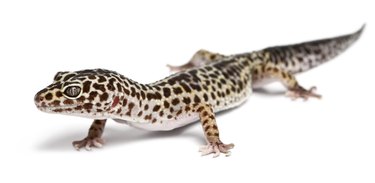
{"type": "Point", "coordinates": [211, 132]}
{"type": "Point", "coordinates": [93, 138]}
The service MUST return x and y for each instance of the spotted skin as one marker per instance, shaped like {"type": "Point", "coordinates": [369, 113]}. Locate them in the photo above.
{"type": "Point", "coordinates": [208, 83]}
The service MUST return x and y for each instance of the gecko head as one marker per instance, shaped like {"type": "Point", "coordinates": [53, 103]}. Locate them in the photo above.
{"type": "Point", "coordinates": [87, 93]}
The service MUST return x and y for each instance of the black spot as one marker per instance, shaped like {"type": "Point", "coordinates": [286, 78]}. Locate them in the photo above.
{"type": "Point", "coordinates": [197, 99]}
{"type": "Point", "coordinates": [87, 106]}
{"type": "Point", "coordinates": [200, 109]}
{"type": "Point", "coordinates": [143, 95]}
{"type": "Point", "coordinates": [126, 91]}
{"type": "Point", "coordinates": [166, 92]}
{"type": "Point", "coordinates": [99, 87]}
{"type": "Point", "coordinates": [119, 87]}
{"type": "Point", "coordinates": [186, 100]}
{"type": "Point", "coordinates": [92, 95]}
{"type": "Point", "coordinates": [58, 94]}
{"type": "Point", "coordinates": [205, 97]}
{"type": "Point", "coordinates": [213, 96]}
{"type": "Point", "coordinates": [175, 101]}
{"type": "Point", "coordinates": [48, 96]}
{"type": "Point", "coordinates": [218, 94]}
{"type": "Point", "coordinates": [92, 77]}
{"type": "Point", "coordinates": [101, 79]}
{"type": "Point", "coordinates": [213, 75]}
{"type": "Point", "coordinates": [103, 97]}
{"type": "Point", "coordinates": [185, 87]}
{"type": "Point", "coordinates": [150, 96]}
{"type": "Point", "coordinates": [130, 108]}
{"type": "Point", "coordinates": [156, 108]}
{"type": "Point", "coordinates": [157, 95]}
{"type": "Point", "coordinates": [166, 104]}
{"type": "Point", "coordinates": [133, 92]}
{"type": "Point", "coordinates": [196, 87]}
{"type": "Point", "coordinates": [177, 90]}
{"type": "Point", "coordinates": [125, 83]}
{"type": "Point", "coordinates": [148, 117]}
{"type": "Point", "coordinates": [86, 86]}
{"type": "Point", "coordinates": [110, 87]}
{"type": "Point", "coordinates": [205, 122]}
{"type": "Point", "coordinates": [227, 91]}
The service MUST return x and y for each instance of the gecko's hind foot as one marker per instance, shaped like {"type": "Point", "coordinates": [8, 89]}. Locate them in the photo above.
{"type": "Point", "coordinates": [300, 92]}
{"type": "Point", "coordinates": [88, 143]}
{"type": "Point", "coordinates": [173, 68]}
{"type": "Point", "coordinates": [216, 149]}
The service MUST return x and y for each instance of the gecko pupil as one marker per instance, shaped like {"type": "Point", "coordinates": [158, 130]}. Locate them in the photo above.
{"type": "Point", "coordinates": [72, 91]}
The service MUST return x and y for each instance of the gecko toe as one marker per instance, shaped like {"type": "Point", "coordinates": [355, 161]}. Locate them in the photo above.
{"type": "Point", "coordinates": [216, 149]}
{"type": "Point", "coordinates": [300, 92]}
{"type": "Point", "coordinates": [88, 143]}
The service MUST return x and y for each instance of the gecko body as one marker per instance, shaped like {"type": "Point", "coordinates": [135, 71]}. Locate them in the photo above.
{"type": "Point", "coordinates": [208, 83]}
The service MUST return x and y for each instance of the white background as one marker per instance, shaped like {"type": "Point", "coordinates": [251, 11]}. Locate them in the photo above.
{"type": "Point", "coordinates": [277, 140]}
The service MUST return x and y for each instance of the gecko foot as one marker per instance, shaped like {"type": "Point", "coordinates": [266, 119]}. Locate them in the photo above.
{"type": "Point", "coordinates": [88, 143]}
{"type": "Point", "coordinates": [300, 92]}
{"type": "Point", "coordinates": [173, 68]}
{"type": "Point", "coordinates": [216, 148]}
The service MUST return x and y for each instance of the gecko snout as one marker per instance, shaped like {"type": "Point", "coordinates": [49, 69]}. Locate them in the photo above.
{"type": "Point", "coordinates": [39, 97]}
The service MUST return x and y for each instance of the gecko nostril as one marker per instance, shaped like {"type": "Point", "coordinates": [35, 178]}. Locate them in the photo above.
{"type": "Point", "coordinates": [38, 98]}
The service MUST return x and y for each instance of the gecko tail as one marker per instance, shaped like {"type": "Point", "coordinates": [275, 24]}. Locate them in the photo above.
{"type": "Point", "coordinates": [301, 57]}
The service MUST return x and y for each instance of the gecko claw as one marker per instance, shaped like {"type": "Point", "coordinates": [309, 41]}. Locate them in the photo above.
{"type": "Point", "coordinates": [300, 92]}
{"type": "Point", "coordinates": [216, 149]}
{"type": "Point", "coordinates": [87, 143]}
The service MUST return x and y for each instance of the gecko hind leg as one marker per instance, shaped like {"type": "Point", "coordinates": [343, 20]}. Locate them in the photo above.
{"type": "Point", "coordinates": [201, 57]}
{"type": "Point", "coordinates": [268, 70]}
{"type": "Point", "coordinates": [93, 138]}
{"type": "Point", "coordinates": [214, 144]}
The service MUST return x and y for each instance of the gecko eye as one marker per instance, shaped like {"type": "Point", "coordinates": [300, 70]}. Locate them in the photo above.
{"type": "Point", "coordinates": [72, 92]}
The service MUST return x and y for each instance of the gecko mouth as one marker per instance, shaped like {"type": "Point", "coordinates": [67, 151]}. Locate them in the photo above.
{"type": "Point", "coordinates": [57, 108]}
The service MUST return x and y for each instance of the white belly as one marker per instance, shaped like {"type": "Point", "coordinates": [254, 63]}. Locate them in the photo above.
{"type": "Point", "coordinates": [164, 126]}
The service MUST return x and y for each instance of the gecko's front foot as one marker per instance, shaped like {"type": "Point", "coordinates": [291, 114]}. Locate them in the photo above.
{"type": "Point", "coordinates": [216, 148]}
{"type": "Point", "coordinates": [300, 92]}
{"type": "Point", "coordinates": [88, 143]}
